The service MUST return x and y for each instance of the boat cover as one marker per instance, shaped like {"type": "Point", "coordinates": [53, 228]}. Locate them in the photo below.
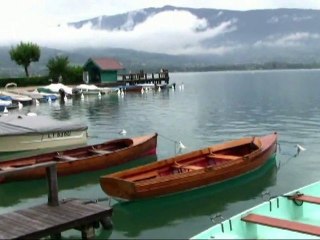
{"type": "Point", "coordinates": [19, 124]}
{"type": "Point", "coordinates": [54, 88]}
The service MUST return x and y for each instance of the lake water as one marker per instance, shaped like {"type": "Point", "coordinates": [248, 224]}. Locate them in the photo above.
{"type": "Point", "coordinates": [212, 107]}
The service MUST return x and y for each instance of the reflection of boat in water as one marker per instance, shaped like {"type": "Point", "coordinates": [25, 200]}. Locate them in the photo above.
{"type": "Point", "coordinates": [178, 209]}
{"type": "Point", "coordinates": [165, 86]}
{"type": "Point", "coordinates": [293, 215]}
{"type": "Point", "coordinates": [14, 192]}
{"type": "Point", "coordinates": [199, 168]}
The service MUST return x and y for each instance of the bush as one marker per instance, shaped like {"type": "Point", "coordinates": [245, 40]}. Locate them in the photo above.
{"type": "Point", "coordinates": [73, 75]}
{"type": "Point", "coordinates": [24, 82]}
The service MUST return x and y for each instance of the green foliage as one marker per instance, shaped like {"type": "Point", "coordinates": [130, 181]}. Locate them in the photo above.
{"type": "Point", "coordinates": [24, 54]}
{"type": "Point", "coordinates": [23, 82]}
{"type": "Point", "coordinates": [74, 75]}
{"type": "Point", "coordinates": [58, 66]}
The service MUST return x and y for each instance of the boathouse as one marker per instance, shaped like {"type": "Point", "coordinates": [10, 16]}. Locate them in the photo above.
{"type": "Point", "coordinates": [101, 70]}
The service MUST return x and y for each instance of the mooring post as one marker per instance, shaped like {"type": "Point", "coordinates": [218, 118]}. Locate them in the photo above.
{"type": "Point", "coordinates": [53, 199]}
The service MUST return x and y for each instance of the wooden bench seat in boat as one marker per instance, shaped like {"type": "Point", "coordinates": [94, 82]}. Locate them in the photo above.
{"type": "Point", "coordinates": [99, 151]}
{"type": "Point", "coordinates": [305, 198]}
{"type": "Point", "coordinates": [66, 158]}
{"type": "Point", "coordinates": [223, 156]}
{"type": "Point", "coordinates": [144, 176]}
{"type": "Point", "coordinates": [186, 167]}
{"type": "Point", "coordinates": [192, 167]}
{"type": "Point", "coordinates": [282, 224]}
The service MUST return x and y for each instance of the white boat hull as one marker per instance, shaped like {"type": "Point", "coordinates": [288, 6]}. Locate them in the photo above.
{"type": "Point", "coordinates": [35, 141]}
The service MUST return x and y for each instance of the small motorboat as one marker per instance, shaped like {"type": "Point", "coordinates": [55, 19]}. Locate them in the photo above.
{"type": "Point", "coordinates": [56, 89]}
{"type": "Point", "coordinates": [12, 88]}
{"type": "Point", "coordinates": [20, 132]}
{"type": "Point", "coordinates": [207, 166]}
{"type": "Point", "coordinates": [16, 97]}
{"type": "Point", "coordinates": [86, 89]}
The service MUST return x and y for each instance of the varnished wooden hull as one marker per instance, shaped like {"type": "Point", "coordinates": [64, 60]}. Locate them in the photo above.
{"type": "Point", "coordinates": [84, 159]}
{"type": "Point", "coordinates": [126, 184]}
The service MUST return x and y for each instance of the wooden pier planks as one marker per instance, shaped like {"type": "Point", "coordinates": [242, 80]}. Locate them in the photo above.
{"type": "Point", "coordinates": [44, 220]}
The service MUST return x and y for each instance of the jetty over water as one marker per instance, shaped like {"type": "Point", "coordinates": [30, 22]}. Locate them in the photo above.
{"type": "Point", "coordinates": [161, 77]}
{"type": "Point", "coordinates": [54, 217]}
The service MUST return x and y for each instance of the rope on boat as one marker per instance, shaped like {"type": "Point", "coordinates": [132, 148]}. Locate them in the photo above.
{"type": "Point", "coordinates": [216, 216]}
{"type": "Point", "coordinates": [177, 144]}
{"type": "Point", "coordinates": [299, 149]}
{"type": "Point", "coordinates": [293, 198]}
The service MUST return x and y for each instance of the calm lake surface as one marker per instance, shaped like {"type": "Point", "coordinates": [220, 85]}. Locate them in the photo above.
{"type": "Point", "coordinates": [213, 107]}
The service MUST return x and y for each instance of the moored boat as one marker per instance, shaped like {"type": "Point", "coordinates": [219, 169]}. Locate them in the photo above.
{"type": "Point", "coordinates": [12, 88]}
{"type": "Point", "coordinates": [56, 88]}
{"type": "Point", "coordinates": [84, 159]}
{"type": "Point", "coordinates": [17, 98]}
{"type": "Point", "coordinates": [87, 89]}
{"type": "Point", "coordinates": [293, 215]}
{"type": "Point", "coordinates": [210, 165]}
{"type": "Point", "coordinates": [28, 132]}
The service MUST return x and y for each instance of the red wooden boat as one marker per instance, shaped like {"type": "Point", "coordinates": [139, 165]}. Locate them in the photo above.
{"type": "Point", "coordinates": [84, 159]}
{"type": "Point", "coordinates": [202, 167]}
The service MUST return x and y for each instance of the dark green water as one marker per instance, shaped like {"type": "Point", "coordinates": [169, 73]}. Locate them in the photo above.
{"type": "Point", "coordinates": [212, 107]}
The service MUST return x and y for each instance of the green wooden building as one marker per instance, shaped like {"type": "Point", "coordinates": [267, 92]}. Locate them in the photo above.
{"type": "Point", "coordinates": [101, 70]}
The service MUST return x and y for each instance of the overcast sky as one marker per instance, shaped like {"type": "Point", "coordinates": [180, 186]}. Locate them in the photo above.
{"type": "Point", "coordinates": [37, 20]}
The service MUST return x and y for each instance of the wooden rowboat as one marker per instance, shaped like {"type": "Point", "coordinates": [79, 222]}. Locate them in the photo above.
{"type": "Point", "coordinates": [202, 167]}
{"type": "Point", "coordinates": [293, 215]}
{"type": "Point", "coordinates": [84, 159]}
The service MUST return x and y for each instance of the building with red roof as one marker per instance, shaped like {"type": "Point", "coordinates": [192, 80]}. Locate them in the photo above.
{"type": "Point", "coordinates": [101, 70]}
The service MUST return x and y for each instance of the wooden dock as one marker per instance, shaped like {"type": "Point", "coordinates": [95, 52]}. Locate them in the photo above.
{"type": "Point", "coordinates": [142, 77]}
{"type": "Point", "coordinates": [54, 217]}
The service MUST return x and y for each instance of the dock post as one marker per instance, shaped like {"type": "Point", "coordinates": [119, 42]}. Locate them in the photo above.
{"type": "Point", "coordinates": [53, 199]}
{"type": "Point", "coordinates": [56, 236]}
{"type": "Point", "coordinates": [87, 232]}
{"type": "Point", "coordinates": [106, 223]}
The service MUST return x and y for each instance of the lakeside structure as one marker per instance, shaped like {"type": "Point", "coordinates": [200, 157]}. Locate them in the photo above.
{"type": "Point", "coordinates": [104, 72]}
{"type": "Point", "coordinates": [55, 216]}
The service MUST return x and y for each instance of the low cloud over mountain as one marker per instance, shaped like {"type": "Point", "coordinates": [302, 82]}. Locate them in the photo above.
{"type": "Point", "coordinates": [194, 36]}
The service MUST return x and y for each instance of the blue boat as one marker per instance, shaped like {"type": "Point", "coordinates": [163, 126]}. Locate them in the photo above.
{"type": "Point", "coordinates": [6, 103]}
{"type": "Point", "coordinates": [291, 216]}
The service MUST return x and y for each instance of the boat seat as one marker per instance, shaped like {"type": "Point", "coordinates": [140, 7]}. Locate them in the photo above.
{"type": "Point", "coordinates": [66, 158]}
{"type": "Point", "coordinates": [305, 198]}
{"type": "Point", "coordinates": [186, 168]}
{"type": "Point", "coordinates": [282, 224]}
{"type": "Point", "coordinates": [6, 168]}
{"type": "Point", "coordinates": [144, 176]}
{"type": "Point", "coordinates": [98, 151]}
{"type": "Point", "coordinates": [192, 167]}
{"type": "Point", "coordinates": [223, 156]}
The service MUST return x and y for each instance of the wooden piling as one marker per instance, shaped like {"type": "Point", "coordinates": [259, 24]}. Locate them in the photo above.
{"type": "Point", "coordinates": [55, 216]}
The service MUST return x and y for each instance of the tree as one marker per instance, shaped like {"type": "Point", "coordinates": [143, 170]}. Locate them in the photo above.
{"type": "Point", "coordinates": [24, 54]}
{"type": "Point", "coordinates": [58, 66]}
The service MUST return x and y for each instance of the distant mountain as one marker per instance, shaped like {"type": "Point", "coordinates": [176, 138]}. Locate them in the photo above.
{"type": "Point", "coordinates": [253, 36]}
{"type": "Point", "coordinates": [228, 38]}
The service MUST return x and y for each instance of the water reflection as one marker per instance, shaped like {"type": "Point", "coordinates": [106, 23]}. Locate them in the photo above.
{"type": "Point", "coordinates": [14, 192]}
